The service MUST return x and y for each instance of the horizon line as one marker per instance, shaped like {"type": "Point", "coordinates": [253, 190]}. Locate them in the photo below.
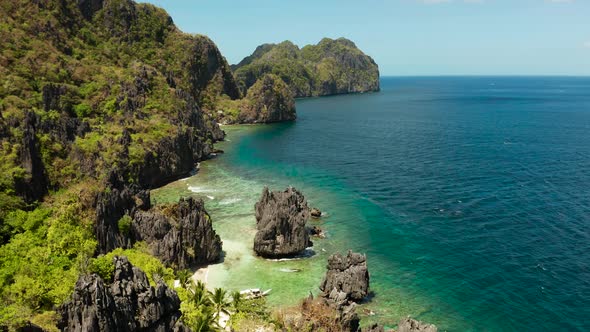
{"type": "Point", "coordinates": [487, 75]}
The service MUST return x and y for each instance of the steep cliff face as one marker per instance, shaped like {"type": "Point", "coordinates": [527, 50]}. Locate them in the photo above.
{"type": "Point", "coordinates": [33, 185]}
{"type": "Point", "coordinates": [280, 224]}
{"type": "Point", "coordinates": [102, 67]}
{"type": "Point", "coordinates": [125, 303]}
{"type": "Point", "coordinates": [111, 207]}
{"type": "Point", "coordinates": [328, 68]}
{"type": "Point", "coordinates": [268, 100]}
{"type": "Point", "coordinates": [181, 235]}
{"type": "Point", "coordinates": [100, 100]}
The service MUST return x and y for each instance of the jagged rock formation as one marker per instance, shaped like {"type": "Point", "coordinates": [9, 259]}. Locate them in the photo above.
{"type": "Point", "coordinates": [33, 185]}
{"type": "Point", "coordinates": [280, 221]}
{"type": "Point", "coordinates": [347, 278]}
{"type": "Point", "coordinates": [411, 325]}
{"type": "Point", "coordinates": [181, 235]}
{"type": "Point", "coordinates": [268, 100]}
{"type": "Point", "coordinates": [111, 207]}
{"type": "Point", "coordinates": [125, 303]}
{"type": "Point", "coordinates": [328, 68]}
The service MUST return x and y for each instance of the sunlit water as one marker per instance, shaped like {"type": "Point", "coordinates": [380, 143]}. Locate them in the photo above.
{"type": "Point", "coordinates": [470, 197]}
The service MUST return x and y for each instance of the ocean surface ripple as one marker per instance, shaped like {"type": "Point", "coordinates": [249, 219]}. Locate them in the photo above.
{"type": "Point", "coordinates": [471, 196]}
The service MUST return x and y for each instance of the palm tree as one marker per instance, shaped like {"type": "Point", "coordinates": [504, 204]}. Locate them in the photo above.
{"type": "Point", "coordinates": [199, 294]}
{"type": "Point", "coordinates": [218, 298]}
{"type": "Point", "coordinates": [184, 277]}
{"type": "Point", "coordinates": [159, 273]}
{"type": "Point", "coordinates": [205, 322]}
{"type": "Point", "coordinates": [237, 300]}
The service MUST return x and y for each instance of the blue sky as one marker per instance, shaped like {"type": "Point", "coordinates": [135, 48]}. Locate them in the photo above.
{"type": "Point", "coordinates": [408, 37]}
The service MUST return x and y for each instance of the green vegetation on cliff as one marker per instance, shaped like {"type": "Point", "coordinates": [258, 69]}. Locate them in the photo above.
{"type": "Point", "coordinates": [95, 96]}
{"type": "Point", "coordinates": [328, 68]}
{"type": "Point", "coordinates": [268, 100]}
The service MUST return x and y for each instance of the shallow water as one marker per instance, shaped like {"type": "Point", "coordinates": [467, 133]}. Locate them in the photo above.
{"type": "Point", "coordinates": [470, 197]}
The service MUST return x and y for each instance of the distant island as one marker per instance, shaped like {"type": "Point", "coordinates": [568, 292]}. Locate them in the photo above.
{"type": "Point", "coordinates": [331, 67]}
{"type": "Point", "coordinates": [274, 74]}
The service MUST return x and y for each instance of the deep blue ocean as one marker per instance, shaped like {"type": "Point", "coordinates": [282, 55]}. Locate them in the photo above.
{"type": "Point", "coordinates": [469, 195]}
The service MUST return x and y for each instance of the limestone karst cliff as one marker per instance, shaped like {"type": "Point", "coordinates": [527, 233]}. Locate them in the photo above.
{"type": "Point", "coordinates": [333, 66]}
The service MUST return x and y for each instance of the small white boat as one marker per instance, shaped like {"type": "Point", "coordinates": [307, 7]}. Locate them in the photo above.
{"type": "Point", "coordinates": [254, 293]}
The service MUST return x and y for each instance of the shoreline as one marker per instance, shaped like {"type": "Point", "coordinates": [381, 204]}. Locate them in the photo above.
{"type": "Point", "coordinates": [232, 213]}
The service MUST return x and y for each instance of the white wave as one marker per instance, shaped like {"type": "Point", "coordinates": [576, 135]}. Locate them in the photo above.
{"type": "Point", "coordinates": [229, 201]}
{"type": "Point", "coordinates": [198, 190]}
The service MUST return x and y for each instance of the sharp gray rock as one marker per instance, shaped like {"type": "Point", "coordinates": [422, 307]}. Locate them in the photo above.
{"type": "Point", "coordinates": [280, 221]}
{"type": "Point", "coordinates": [125, 303]}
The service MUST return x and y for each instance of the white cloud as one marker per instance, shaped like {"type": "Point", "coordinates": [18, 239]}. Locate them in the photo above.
{"type": "Point", "coordinates": [586, 44]}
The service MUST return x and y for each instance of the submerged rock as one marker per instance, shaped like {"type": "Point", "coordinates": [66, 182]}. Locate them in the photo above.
{"type": "Point", "coordinates": [125, 303]}
{"type": "Point", "coordinates": [280, 221]}
{"type": "Point", "coordinates": [347, 278]}
{"type": "Point", "coordinates": [411, 325]}
{"type": "Point", "coordinates": [181, 235]}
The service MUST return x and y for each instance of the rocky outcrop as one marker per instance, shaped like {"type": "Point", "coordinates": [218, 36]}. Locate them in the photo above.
{"type": "Point", "coordinates": [181, 235]}
{"type": "Point", "coordinates": [89, 7]}
{"type": "Point", "coordinates": [316, 213]}
{"type": "Point", "coordinates": [34, 185]}
{"type": "Point", "coordinates": [347, 278]}
{"type": "Point", "coordinates": [328, 68]}
{"type": "Point", "coordinates": [268, 100]}
{"type": "Point", "coordinates": [317, 231]}
{"type": "Point", "coordinates": [209, 70]}
{"type": "Point", "coordinates": [111, 207]}
{"type": "Point", "coordinates": [411, 325]}
{"type": "Point", "coordinates": [173, 158]}
{"type": "Point", "coordinates": [280, 224]}
{"type": "Point", "coordinates": [125, 303]}
{"type": "Point", "coordinates": [349, 318]}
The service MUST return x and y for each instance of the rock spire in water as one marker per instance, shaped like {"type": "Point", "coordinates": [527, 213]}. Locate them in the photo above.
{"type": "Point", "coordinates": [280, 221]}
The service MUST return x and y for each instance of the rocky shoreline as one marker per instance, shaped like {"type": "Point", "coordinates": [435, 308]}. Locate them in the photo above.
{"type": "Point", "coordinates": [111, 101]}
